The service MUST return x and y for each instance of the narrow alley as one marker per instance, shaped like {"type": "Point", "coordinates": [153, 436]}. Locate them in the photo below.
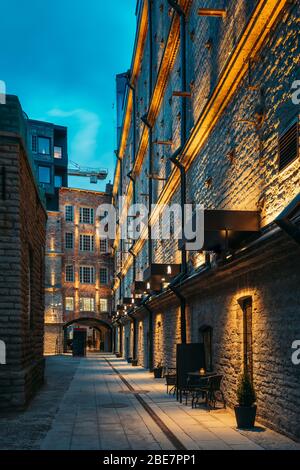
{"type": "Point", "coordinates": [102, 403]}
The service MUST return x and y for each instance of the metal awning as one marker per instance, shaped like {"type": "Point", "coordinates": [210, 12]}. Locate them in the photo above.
{"type": "Point", "coordinates": [225, 228]}
{"type": "Point", "coordinates": [161, 272]}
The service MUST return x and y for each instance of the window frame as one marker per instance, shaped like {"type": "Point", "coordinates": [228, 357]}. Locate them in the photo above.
{"type": "Point", "coordinates": [58, 147]}
{"type": "Point", "coordinates": [40, 137]}
{"type": "Point", "coordinates": [45, 167]}
{"type": "Point", "coordinates": [67, 219]}
{"type": "Point", "coordinates": [83, 243]}
{"type": "Point", "coordinates": [83, 277]}
{"type": "Point", "coordinates": [83, 219]}
{"type": "Point", "coordinates": [82, 300]}
{"type": "Point", "coordinates": [106, 303]}
{"type": "Point", "coordinates": [73, 273]}
{"type": "Point", "coordinates": [66, 304]}
{"type": "Point", "coordinates": [72, 236]}
{"type": "Point", "coordinates": [103, 240]}
{"type": "Point", "coordinates": [106, 276]}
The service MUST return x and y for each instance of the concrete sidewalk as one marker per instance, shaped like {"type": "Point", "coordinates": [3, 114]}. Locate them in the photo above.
{"type": "Point", "coordinates": [99, 411]}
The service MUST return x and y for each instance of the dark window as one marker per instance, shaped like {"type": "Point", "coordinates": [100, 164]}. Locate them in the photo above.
{"type": "Point", "coordinates": [288, 145]}
{"type": "Point", "coordinates": [58, 181]}
{"type": "Point", "coordinates": [206, 333]}
{"type": "Point", "coordinates": [57, 152]}
{"type": "Point", "coordinates": [44, 174]}
{"type": "Point", "coordinates": [247, 336]}
{"type": "Point", "coordinates": [87, 242]}
{"type": "Point", "coordinates": [69, 240]}
{"type": "Point", "coordinates": [103, 276]}
{"type": "Point", "coordinates": [34, 143]}
{"type": "Point", "coordinates": [69, 213]}
{"type": "Point", "coordinates": [103, 245]}
{"type": "Point", "coordinates": [86, 215]}
{"type": "Point", "coordinates": [70, 273]}
{"type": "Point", "coordinates": [44, 145]}
{"type": "Point", "coordinates": [87, 275]}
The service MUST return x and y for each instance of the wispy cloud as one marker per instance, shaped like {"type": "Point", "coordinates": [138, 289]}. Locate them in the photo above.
{"type": "Point", "coordinates": [84, 143]}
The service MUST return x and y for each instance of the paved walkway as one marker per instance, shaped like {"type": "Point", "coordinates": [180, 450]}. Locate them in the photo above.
{"type": "Point", "coordinates": [101, 411]}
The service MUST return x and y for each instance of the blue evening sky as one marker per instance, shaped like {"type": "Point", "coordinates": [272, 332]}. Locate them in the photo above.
{"type": "Point", "coordinates": [61, 57]}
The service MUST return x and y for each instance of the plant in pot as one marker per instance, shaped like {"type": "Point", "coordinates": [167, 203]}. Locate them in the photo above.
{"type": "Point", "coordinates": [158, 371]}
{"type": "Point", "coordinates": [245, 411]}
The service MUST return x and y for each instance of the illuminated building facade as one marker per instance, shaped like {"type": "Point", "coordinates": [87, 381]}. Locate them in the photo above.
{"type": "Point", "coordinates": [78, 272]}
{"type": "Point", "coordinates": [209, 118]}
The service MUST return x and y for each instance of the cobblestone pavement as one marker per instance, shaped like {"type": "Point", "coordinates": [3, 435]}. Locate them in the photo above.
{"type": "Point", "coordinates": [86, 405]}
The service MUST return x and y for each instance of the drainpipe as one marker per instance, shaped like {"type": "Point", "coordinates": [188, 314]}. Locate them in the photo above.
{"type": "Point", "coordinates": [180, 166]}
{"type": "Point", "coordinates": [150, 352]}
{"type": "Point", "coordinates": [283, 220]}
{"type": "Point", "coordinates": [150, 167]}
{"type": "Point", "coordinates": [175, 289]}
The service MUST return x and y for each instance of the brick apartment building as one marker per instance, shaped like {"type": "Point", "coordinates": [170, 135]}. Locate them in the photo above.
{"type": "Point", "coordinates": [22, 248]}
{"type": "Point", "coordinates": [209, 119]}
{"type": "Point", "coordinates": [78, 271]}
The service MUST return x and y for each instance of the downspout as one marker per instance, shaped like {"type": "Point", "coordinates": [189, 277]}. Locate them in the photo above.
{"type": "Point", "coordinates": [284, 222]}
{"type": "Point", "coordinates": [175, 289]}
{"type": "Point", "coordinates": [150, 167]}
{"type": "Point", "coordinates": [150, 317]}
{"type": "Point", "coordinates": [180, 166]}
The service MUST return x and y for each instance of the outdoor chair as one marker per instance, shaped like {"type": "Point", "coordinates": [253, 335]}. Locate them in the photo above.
{"type": "Point", "coordinates": [192, 385]}
{"type": "Point", "coordinates": [171, 380]}
{"type": "Point", "coordinates": [210, 391]}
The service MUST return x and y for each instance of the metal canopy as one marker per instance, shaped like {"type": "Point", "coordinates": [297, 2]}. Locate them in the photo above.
{"type": "Point", "coordinates": [161, 272]}
{"type": "Point", "coordinates": [225, 228]}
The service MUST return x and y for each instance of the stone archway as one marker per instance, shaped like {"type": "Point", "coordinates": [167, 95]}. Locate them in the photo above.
{"type": "Point", "coordinates": [104, 328]}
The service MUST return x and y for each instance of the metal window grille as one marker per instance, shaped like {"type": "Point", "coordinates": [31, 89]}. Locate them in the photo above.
{"type": "Point", "coordinates": [288, 145]}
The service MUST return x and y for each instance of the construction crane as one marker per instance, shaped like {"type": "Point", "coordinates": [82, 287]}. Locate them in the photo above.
{"type": "Point", "coordinates": [95, 174]}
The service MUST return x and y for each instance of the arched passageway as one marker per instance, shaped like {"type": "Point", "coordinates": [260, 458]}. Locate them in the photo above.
{"type": "Point", "coordinates": [98, 334]}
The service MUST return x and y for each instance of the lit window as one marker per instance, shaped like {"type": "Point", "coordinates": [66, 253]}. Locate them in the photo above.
{"type": "Point", "coordinates": [103, 276]}
{"type": "Point", "coordinates": [69, 304]}
{"type": "Point", "coordinates": [44, 145]}
{"type": "Point", "coordinates": [34, 143]}
{"type": "Point", "coordinates": [87, 304]}
{"type": "Point", "coordinates": [44, 174]}
{"type": "Point", "coordinates": [86, 243]}
{"type": "Point", "coordinates": [69, 241]}
{"type": "Point", "coordinates": [103, 305]}
{"type": "Point", "coordinates": [87, 275]}
{"type": "Point", "coordinates": [86, 215]}
{"type": "Point", "coordinates": [58, 181]}
{"type": "Point", "coordinates": [69, 213]}
{"type": "Point", "coordinates": [103, 245]}
{"type": "Point", "coordinates": [57, 152]}
{"type": "Point", "coordinates": [70, 273]}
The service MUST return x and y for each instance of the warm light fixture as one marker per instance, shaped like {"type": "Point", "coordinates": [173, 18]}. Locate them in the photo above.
{"type": "Point", "coordinates": [169, 269]}
{"type": "Point", "coordinates": [148, 285]}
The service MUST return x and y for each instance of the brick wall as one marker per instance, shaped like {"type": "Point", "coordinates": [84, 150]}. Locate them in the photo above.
{"type": "Point", "coordinates": [22, 241]}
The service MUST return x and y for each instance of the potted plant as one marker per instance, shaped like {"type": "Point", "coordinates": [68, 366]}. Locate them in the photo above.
{"type": "Point", "coordinates": [134, 362]}
{"type": "Point", "coordinates": [245, 411]}
{"type": "Point", "coordinates": [158, 371]}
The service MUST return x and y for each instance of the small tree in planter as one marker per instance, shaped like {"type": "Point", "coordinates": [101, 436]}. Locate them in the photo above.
{"type": "Point", "coordinates": [245, 411]}
{"type": "Point", "coordinates": [158, 371]}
